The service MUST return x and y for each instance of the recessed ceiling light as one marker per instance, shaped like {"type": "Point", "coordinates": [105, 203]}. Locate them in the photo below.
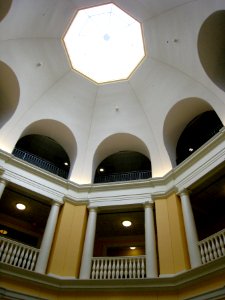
{"type": "Point", "coordinates": [20, 206]}
{"type": "Point", "coordinates": [190, 149]}
{"type": "Point", "coordinates": [126, 223]}
{"type": "Point", "coordinates": [132, 248]}
{"type": "Point", "coordinates": [66, 163]}
{"type": "Point", "coordinates": [101, 170]}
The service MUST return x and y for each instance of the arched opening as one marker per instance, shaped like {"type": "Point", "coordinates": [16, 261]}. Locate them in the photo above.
{"type": "Point", "coordinates": [177, 119]}
{"type": "Point", "coordinates": [198, 131]}
{"type": "Point", "coordinates": [4, 8]}
{"type": "Point", "coordinates": [9, 92]}
{"type": "Point", "coordinates": [123, 166]}
{"type": "Point", "coordinates": [211, 45]}
{"type": "Point", "coordinates": [44, 152]}
{"type": "Point", "coordinates": [123, 157]}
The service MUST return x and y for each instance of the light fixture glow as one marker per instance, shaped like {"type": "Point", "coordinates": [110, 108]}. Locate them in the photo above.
{"type": "Point", "coordinates": [20, 206]}
{"type": "Point", "coordinates": [126, 223]}
{"type": "Point", "coordinates": [66, 163]}
{"type": "Point", "coordinates": [190, 149]}
{"type": "Point", "coordinates": [104, 43]}
{"type": "Point", "coordinates": [3, 231]}
{"type": "Point", "coordinates": [132, 248]}
{"type": "Point", "coordinates": [101, 170]}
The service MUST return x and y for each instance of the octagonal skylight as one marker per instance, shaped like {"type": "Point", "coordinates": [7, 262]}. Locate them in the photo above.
{"type": "Point", "coordinates": [104, 43]}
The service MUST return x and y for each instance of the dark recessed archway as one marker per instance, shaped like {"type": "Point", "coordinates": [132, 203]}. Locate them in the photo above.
{"type": "Point", "coordinates": [123, 166]}
{"type": "Point", "coordinates": [4, 8]}
{"type": "Point", "coordinates": [43, 152]}
{"type": "Point", "coordinates": [211, 47]}
{"type": "Point", "coordinates": [196, 133]}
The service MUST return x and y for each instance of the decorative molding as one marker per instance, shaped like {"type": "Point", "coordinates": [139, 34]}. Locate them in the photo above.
{"type": "Point", "coordinates": [212, 295]}
{"type": "Point", "coordinates": [171, 283]}
{"type": "Point", "coordinates": [12, 295]}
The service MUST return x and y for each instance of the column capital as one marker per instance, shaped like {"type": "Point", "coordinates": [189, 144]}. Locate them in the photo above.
{"type": "Point", "coordinates": [185, 192]}
{"type": "Point", "coordinates": [93, 209]}
{"type": "Point", "coordinates": [149, 204]}
{"type": "Point", "coordinates": [4, 181]}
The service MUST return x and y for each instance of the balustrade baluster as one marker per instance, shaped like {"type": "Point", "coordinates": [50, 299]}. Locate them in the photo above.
{"type": "Point", "coordinates": [113, 269]}
{"type": "Point", "coordinates": [25, 259]}
{"type": "Point", "coordinates": [130, 268]}
{"type": "Point", "coordinates": [223, 243]}
{"type": "Point", "coordinates": [109, 269]}
{"type": "Point", "coordinates": [2, 249]}
{"type": "Point", "coordinates": [105, 269]}
{"type": "Point", "coordinates": [9, 253]}
{"type": "Point", "coordinates": [134, 268]}
{"type": "Point", "coordinates": [97, 269]}
{"type": "Point", "coordinates": [33, 261]}
{"type": "Point", "coordinates": [121, 268]}
{"type": "Point", "coordinates": [202, 253]}
{"type": "Point", "coordinates": [13, 256]}
{"type": "Point", "coordinates": [206, 251]}
{"type": "Point", "coordinates": [29, 259]}
{"type": "Point", "coordinates": [17, 255]}
{"type": "Point", "coordinates": [93, 269]}
{"type": "Point", "coordinates": [210, 250]}
{"type": "Point", "coordinates": [143, 272]}
{"type": "Point", "coordinates": [117, 268]}
{"type": "Point", "coordinates": [20, 263]}
{"type": "Point", "coordinates": [101, 269]}
{"type": "Point", "coordinates": [125, 268]}
{"type": "Point", "coordinates": [138, 268]}
{"type": "Point", "coordinates": [5, 252]}
{"type": "Point", "coordinates": [217, 246]}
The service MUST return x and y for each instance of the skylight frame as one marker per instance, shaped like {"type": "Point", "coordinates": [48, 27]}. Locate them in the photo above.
{"type": "Point", "coordinates": [136, 25]}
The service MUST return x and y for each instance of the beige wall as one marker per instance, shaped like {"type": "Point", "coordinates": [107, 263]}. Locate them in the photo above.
{"type": "Point", "coordinates": [67, 247]}
{"type": "Point", "coordinates": [172, 247]}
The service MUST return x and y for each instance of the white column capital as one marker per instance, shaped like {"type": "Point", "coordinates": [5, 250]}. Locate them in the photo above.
{"type": "Point", "coordinates": [149, 204]}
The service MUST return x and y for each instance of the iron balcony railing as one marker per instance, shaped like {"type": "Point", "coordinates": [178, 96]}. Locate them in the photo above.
{"type": "Point", "coordinates": [124, 176]}
{"type": "Point", "coordinates": [40, 162]}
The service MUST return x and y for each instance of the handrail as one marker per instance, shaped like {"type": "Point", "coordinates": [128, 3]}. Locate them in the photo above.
{"type": "Point", "coordinates": [39, 162]}
{"type": "Point", "coordinates": [18, 254]}
{"type": "Point", "coordinates": [118, 267]}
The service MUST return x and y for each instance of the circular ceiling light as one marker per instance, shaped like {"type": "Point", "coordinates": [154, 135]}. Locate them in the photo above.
{"type": "Point", "coordinates": [104, 43]}
{"type": "Point", "coordinates": [126, 223]}
{"type": "Point", "coordinates": [132, 248]}
{"type": "Point", "coordinates": [101, 170]}
{"type": "Point", "coordinates": [20, 206]}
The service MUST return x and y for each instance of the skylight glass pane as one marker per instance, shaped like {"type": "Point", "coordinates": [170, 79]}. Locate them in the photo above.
{"type": "Point", "coordinates": [104, 43]}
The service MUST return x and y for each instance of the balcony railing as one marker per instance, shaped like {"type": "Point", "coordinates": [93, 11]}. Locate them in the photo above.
{"type": "Point", "coordinates": [17, 254]}
{"type": "Point", "coordinates": [124, 176]}
{"type": "Point", "coordinates": [213, 247]}
{"type": "Point", "coordinates": [39, 162]}
{"type": "Point", "coordinates": [126, 267]}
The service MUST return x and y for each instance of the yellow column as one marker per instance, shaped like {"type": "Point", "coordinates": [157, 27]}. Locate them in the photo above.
{"type": "Point", "coordinates": [172, 246]}
{"type": "Point", "coordinates": [67, 248]}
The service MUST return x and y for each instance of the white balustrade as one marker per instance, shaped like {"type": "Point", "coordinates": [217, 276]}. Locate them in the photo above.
{"type": "Point", "coordinates": [125, 267]}
{"type": "Point", "coordinates": [212, 247]}
{"type": "Point", "coordinates": [17, 254]}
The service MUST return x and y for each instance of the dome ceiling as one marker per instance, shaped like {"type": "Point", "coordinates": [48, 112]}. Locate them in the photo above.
{"type": "Point", "coordinates": [31, 45]}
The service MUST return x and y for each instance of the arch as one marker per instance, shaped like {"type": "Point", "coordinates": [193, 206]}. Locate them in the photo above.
{"type": "Point", "coordinates": [118, 142]}
{"type": "Point", "coordinates": [9, 93]}
{"type": "Point", "coordinates": [196, 133]}
{"type": "Point", "coordinates": [56, 131]}
{"type": "Point", "coordinates": [211, 45]}
{"type": "Point", "coordinates": [176, 120]}
{"type": "Point", "coordinates": [4, 8]}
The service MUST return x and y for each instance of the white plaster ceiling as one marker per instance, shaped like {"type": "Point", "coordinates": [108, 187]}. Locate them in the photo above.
{"type": "Point", "coordinates": [31, 44]}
